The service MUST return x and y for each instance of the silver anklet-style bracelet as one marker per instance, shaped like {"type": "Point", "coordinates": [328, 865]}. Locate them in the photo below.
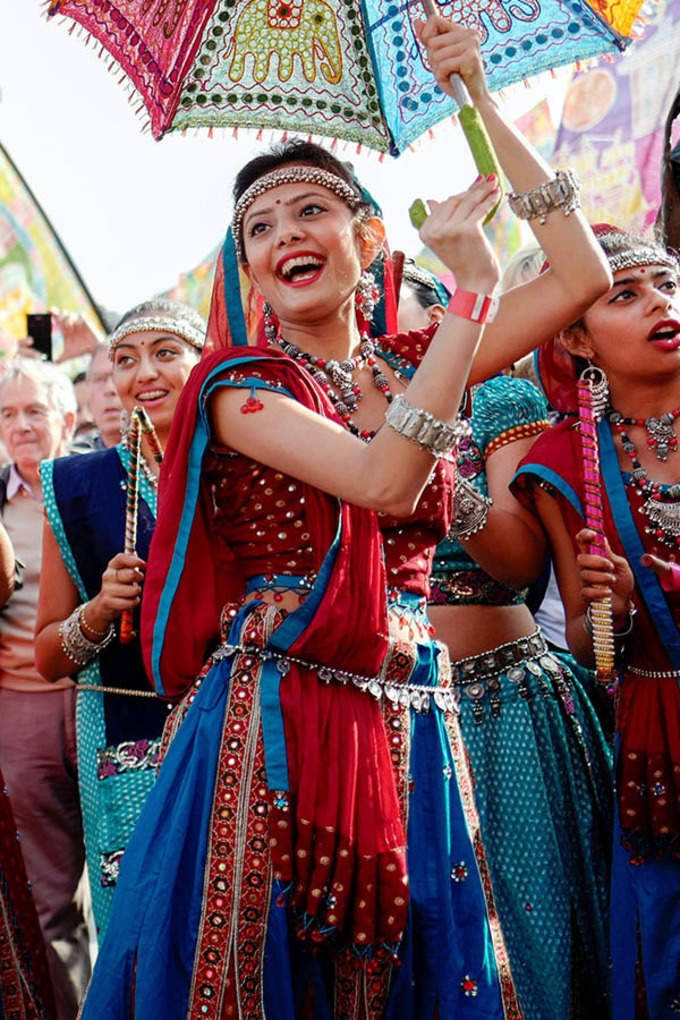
{"type": "Point", "coordinates": [562, 192]}
{"type": "Point", "coordinates": [470, 510]}
{"type": "Point", "coordinates": [630, 621]}
{"type": "Point", "coordinates": [75, 645]}
{"type": "Point", "coordinates": [423, 428]}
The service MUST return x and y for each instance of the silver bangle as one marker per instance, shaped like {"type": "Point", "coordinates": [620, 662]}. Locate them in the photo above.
{"type": "Point", "coordinates": [563, 192]}
{"type": "Point", "coordinates": [75, 645]}
{"type": "Point", "coordinates": [470, 510]}
{"type": "Point", "coordinates": [630, 620]}
{"type": "Point", "coordinates": [435, 435]}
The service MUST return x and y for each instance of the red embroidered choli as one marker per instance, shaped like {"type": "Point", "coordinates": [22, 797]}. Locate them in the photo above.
{"type": "Point", "coordinates": [261, 512]}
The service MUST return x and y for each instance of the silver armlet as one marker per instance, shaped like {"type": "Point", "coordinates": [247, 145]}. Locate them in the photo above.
{"type": "Point", "coordinates": [422, 427]}
{"type": "Point", "coordinates": [470, 510]}
{"type": "Point", "coordinates": [562, 192]}
{"type": "Point", "coordinates": [75, 645]}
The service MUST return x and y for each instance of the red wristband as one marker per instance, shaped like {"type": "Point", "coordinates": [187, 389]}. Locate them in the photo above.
{"type": "Point", "coordinates": [476, 307]}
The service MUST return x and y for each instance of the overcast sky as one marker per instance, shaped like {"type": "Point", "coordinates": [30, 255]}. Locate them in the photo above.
{"type": "Point", "coordinates": [135, 213]}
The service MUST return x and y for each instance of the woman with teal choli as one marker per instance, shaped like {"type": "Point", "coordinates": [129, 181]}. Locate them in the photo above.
{"type": "Point", "coordinates": [539, 759]}
{"type": "Point", "coordinates": [119, 720]}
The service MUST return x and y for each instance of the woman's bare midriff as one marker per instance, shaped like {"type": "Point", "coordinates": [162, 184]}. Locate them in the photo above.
{"type": "Point", "coordinates": [470, 630]}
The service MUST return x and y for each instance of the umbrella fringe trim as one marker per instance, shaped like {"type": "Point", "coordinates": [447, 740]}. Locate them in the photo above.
{"type": "Point", "coordinates": [50, 9]}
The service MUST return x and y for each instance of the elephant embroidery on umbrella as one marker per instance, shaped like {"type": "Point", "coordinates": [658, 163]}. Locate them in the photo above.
{"type": "Point", "coordinates": [473, 13]}
{"type": "Point", "coordinates": [287, 28]}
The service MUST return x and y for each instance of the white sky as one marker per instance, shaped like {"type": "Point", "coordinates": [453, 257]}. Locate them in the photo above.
{"type": "Point", "coordinates": [134, 213]}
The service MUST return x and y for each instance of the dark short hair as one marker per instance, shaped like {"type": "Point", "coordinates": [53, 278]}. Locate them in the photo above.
{"type": "Point", "coordinates": [295, 151]}
{"type": "Point", "coordinates": [428, 288]}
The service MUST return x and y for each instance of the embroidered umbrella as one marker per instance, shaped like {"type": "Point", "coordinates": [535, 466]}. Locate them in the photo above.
{"type": "Point", "coordinates": [332, 67]}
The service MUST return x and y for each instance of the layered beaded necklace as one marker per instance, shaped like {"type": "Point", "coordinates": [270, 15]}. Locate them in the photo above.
{"type": "Point", "coordinates": [661, 437]}
{"type": "Point", "coordinates": [333, 375]}
{"type": "Point", "coordinates": [661, 504]}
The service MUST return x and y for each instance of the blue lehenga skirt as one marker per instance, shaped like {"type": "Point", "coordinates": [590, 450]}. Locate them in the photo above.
{"type": "Point", "coordinates": [158, 959]}
{"type": "Point", "coordinates": [542, 772]}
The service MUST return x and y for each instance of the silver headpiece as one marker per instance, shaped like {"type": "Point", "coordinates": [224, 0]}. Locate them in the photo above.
{"type": "Point", "coordinates": [289, 175]}
{"type": "Point", "coordinates": [642, 252]}
{"type": "Point", "coordinates": [162, 315]}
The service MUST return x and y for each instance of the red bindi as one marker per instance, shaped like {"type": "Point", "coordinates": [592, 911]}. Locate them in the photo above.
{"type": "Point", "coordinates": [643, 270]}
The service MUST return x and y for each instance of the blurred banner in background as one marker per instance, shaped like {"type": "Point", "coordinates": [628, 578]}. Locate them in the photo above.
{"type": "Point", "coordinates": [613, 121]}
{"type": "Point", "coordinates": [195, 287]}
{"type": "Point", "coordinates": [36, 272]}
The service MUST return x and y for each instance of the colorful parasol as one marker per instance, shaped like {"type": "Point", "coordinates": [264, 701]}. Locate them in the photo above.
{"type": "Point", "coordinates": [330, 67]}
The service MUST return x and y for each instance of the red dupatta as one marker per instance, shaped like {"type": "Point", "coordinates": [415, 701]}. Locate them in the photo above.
{"type": "Point", "coordinates": [190, 576]}
{"type": "Point", "coordinates": [348, 829]}
{"type": "Point", "coordinates": [648, 706]}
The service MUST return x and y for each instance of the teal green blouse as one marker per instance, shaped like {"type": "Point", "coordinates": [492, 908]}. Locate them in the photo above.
{"type": "Point", "coordinates": [499, 406]}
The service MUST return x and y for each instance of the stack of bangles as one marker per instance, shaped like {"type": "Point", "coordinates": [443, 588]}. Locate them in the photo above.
{"type": "Point", "coordinates": [75, 643]}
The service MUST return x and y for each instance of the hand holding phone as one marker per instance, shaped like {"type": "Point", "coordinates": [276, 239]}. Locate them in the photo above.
{"type": "Point", "coordinates": [39, 328]}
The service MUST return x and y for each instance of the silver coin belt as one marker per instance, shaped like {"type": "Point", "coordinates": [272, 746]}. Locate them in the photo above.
{"type": "Point", "coordinates": [478, 673]}
{"type": "Point", "coordinates": [419, 697]}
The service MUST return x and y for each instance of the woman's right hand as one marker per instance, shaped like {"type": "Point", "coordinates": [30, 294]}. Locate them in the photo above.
{"type": "Point", "coordinates": [453, 49]}
{"type": "Point", "coordinates": [121, 589]}
{"type": "Point", "coordinates": [603, 576]}
{"type": "Point", "coordinates": [454, 232]}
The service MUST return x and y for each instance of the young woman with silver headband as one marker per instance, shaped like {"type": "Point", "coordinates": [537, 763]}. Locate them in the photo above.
{"type": "Point", "coordinates": [613, 464]}
{"type": "Point", "coordinates": [87, 581]}
{"type": "Point", "coordinates": [306, 850]}
{"type": "Point", "coordinates": [540, 760]}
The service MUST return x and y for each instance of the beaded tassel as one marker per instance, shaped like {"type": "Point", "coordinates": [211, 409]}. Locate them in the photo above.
{"type": "Point", "coordinates": [139, 423]}
{"type": "Point", "coordinates": [600, 611]}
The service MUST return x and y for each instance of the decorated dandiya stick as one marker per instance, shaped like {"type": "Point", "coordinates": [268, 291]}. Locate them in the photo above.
{"type": "Point", "coordinates": [601, 615]}
{"type": "Point", "coordinates": [140, 424]}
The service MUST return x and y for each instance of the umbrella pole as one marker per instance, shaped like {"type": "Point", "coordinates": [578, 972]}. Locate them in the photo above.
{"type": "Point", "coordinates": [476, 134]}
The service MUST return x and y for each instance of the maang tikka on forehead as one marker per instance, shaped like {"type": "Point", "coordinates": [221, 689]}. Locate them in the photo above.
{"type": "Point", "coordinates": [289, 175]}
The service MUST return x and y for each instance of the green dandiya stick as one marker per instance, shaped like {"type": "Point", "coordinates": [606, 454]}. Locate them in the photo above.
{"type": "Point", "coordinates": [476, 135]}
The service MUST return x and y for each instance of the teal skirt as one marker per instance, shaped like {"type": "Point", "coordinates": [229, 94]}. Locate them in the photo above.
{"type": "Point", "coordinates": [542, 772]}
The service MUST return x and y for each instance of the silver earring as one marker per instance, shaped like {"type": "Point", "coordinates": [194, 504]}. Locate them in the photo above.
{"type": "Point", "coordinates": [598, 383]}
{"type": "Point", "coordinates": [367, 294]}
{"type": "Point", "coordinates": [271, 323]}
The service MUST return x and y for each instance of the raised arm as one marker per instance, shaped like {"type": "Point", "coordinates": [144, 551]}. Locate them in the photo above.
{"type": "Point", "coordinates": [390, 472]}
{"type": "Point", "coordinates": [511, 546]}
{"type": "Point", "coordinates": [578, 272]}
